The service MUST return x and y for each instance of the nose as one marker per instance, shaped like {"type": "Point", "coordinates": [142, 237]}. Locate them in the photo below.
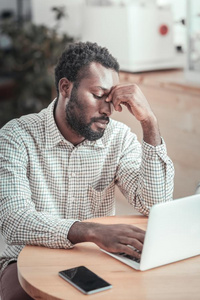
{"type": "Point", "coordinates": [106, 108]}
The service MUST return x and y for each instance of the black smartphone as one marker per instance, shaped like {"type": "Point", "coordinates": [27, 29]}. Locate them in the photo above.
{"type": "Point", "coordinates": [85, 280]}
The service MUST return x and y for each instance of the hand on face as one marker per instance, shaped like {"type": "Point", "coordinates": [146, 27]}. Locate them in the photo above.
{"type": "Point", "coordinates": [132, 97]}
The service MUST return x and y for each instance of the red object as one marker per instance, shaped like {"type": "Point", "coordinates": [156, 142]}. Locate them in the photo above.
{"type": "Point", "coordinates": [163, 29]}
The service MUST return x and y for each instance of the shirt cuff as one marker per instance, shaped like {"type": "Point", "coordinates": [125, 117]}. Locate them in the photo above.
{"type": "Point", "coordinates": [153, 152]}
{"type": "Point", "coordinates": [63, 233]}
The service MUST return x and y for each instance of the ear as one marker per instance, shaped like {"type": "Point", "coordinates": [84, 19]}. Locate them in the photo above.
{"type": "Point", "coordinates": [65, 87]}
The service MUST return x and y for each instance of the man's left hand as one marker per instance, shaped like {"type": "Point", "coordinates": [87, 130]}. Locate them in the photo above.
{"type": "Point", "coordinates": [132, 97]}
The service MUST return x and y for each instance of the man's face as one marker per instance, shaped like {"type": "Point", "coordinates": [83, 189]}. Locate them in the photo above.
{"type": "Point", "coordinates": [87, 112]}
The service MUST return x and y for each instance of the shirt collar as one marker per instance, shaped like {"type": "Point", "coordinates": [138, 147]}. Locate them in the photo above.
{"type": "Point", "coordinates": [54, 136]}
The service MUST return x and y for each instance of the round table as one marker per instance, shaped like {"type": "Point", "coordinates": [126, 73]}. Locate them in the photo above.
{"type": "Point", "coordinates": [38, 269]}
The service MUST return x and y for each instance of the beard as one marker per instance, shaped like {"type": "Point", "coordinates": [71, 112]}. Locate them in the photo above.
{"type": "Point", "coordinates": [75, 114]}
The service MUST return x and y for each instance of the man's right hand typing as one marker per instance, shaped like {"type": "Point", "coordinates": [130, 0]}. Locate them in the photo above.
{"type": "Point", "coordinates": [113, 238]}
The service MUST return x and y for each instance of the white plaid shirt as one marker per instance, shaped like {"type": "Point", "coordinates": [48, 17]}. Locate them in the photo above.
{"type": "Point", "coordinates": [46, 183]}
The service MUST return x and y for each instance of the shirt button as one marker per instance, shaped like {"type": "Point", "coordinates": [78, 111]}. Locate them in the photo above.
{"type": "Point", "coordinates": [73, 174]}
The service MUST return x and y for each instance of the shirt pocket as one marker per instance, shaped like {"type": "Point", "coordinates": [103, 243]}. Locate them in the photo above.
{"type": "Point", "coordinates": [102, 202]}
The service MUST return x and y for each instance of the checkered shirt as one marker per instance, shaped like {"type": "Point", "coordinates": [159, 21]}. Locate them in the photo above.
{"type": "Point", "coordinates": [47, 183]}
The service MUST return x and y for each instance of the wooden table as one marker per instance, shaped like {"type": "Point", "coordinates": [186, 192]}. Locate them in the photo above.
{"type": "Point", "coordinates": [38, 272]}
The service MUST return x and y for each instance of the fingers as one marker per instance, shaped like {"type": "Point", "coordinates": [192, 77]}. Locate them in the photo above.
{"type": "Point", "coordinates": [123, 238]}
{"type": "Point", "coordinates": [116, 96]}
{"type": "Point", "coordinates": [134, 243]}
{"type": "Point", "coordinates": [122, 95]}
{"type": "Point", "coordinates": [132, 97]}
{"type": "Point", "coordinates": [130, 251]}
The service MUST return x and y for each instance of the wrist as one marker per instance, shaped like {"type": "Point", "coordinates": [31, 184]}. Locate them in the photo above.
{"type": "Point", "coordinates": [150, 120]}
{"type": "Point", "coordinates": [82, 232]}
{"type": "Point", "coordinates": [151, 134]}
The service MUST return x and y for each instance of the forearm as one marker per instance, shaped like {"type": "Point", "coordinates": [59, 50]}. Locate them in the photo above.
{"type": "Point", "coordinates": [145, 174]}
{"type": "Point", "coordinates": [156, 177]}
{"type": "Point", "coordinates": [151, 134]}
{"type": "Point", "coordinates": [29, 227]}
{"type": "Point", "coordinates": [113, 238]}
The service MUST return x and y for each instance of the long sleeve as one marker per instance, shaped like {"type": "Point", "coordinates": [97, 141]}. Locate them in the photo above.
{"type": "Point", "coordinates": [145, 174]}
{"type": "Point", "coordinates": [47, 184]}
{"type": "Point", "coordinates": [20, 223]}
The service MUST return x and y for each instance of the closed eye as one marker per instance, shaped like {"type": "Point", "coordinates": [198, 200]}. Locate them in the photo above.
{"type": "Point", "coordinates": [98, 97]}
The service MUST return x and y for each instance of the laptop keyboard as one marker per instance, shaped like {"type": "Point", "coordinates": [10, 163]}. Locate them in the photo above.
{"type": "Point", "coordinates": [130, 256]}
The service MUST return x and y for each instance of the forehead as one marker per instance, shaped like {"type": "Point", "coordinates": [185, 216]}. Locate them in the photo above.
{"type": "Point", "coordinates": [98, 75]}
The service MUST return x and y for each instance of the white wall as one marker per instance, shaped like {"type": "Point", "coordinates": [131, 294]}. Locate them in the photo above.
{"type": "Point", "coordinates": [42, 14]}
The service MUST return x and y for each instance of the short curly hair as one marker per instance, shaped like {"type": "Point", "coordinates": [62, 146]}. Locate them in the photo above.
{"type": "Point", "coordinates": [79, 55]}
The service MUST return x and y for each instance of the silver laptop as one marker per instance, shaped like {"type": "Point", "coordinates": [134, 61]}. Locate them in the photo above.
{"type": "Point", "coordinates": [173, 233]}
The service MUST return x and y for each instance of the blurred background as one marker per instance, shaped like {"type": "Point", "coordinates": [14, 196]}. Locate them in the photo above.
{"type": "Point", "coordinates": [157, 44]}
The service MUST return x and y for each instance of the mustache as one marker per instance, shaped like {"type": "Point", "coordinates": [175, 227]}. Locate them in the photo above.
{"type": "Point", "coordinates": [103, 118]}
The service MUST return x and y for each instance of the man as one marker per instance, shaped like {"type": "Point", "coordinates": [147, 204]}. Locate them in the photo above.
{"type": "Point", "coordinates": [60, 166]}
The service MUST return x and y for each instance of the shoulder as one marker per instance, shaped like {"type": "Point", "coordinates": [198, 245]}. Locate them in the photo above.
{"type": "Point", "coordinates": [23, 128]}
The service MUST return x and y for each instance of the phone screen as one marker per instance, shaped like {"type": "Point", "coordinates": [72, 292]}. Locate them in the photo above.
{"type": "Point", "coordinates": [85, 280]}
